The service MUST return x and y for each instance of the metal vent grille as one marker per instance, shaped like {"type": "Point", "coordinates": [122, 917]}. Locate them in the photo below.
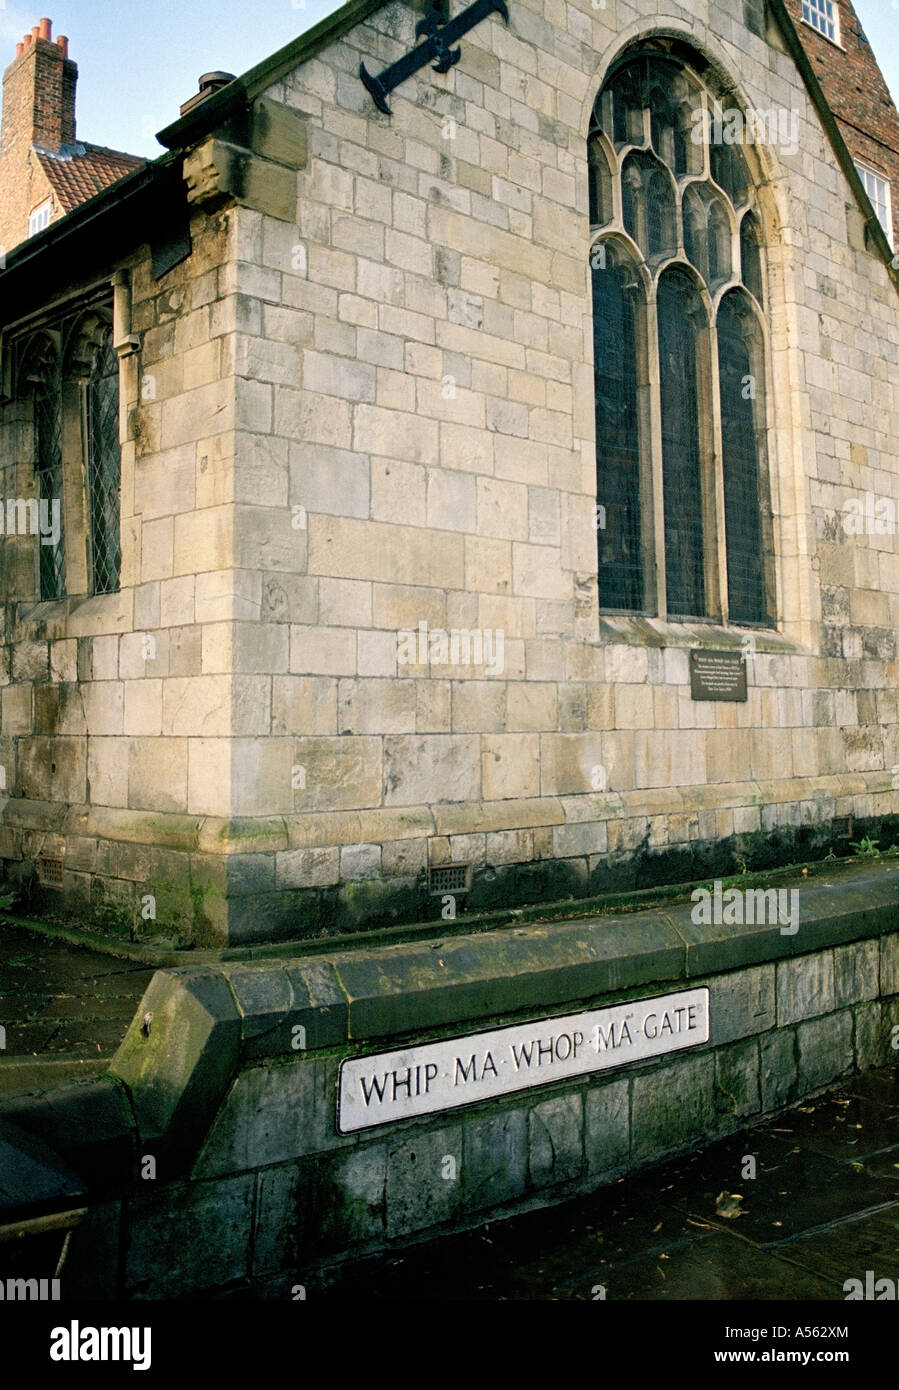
{"type": "Point", "coordinates": [450, 878]}
{"type": "Point", "coordinates": [49, 871]}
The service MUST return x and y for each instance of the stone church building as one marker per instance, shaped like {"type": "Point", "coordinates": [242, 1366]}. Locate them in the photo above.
{"type": "Point", "coordinates": [453, 485]}
{"type": "Point", "coordinates": [372, 477]}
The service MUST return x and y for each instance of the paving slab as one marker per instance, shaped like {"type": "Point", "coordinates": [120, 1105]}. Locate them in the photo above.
{"type": "Point", "coordinates": [812, 1217]}
{"type": "Point", "coordinates": [62, 1005]}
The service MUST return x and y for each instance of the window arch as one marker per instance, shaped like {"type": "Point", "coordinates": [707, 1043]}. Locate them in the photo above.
{"type": "Point", "coordinates": [681, 450]}
{"type": "Point", "coordinates": [67, 377]}
{"type": "Point", "coordinates": [648, 205]}
{"type": "Point", "coordinates": [42, 379]}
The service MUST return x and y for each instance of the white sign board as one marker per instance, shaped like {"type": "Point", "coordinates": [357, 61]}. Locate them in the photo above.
{"type": "Point", "coordinates": [388, 1086]}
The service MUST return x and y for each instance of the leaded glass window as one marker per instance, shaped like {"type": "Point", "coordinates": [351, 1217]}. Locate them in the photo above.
{"type": "Point", "coordinates": [68, 380]}
{"type": "Point", "coordinates": [48, 470]}
{"type": "Point", "coordinates": [678, 310]}
{"type": "Point", "coordinates": [743, 458]}
{"type": "Point", "coordinates": [104, 467]}
{"type": "Point", "coordinates": [618, 303]}
{"type": "Point", "coordinates": [678, 271]}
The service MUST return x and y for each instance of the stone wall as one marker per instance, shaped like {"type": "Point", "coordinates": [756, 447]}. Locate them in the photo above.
{"type": "Point", "coordinates": [117, 709]}
{"type": "Point", "coordinates": [251, 1187]}
{"type": "Point", "coordinates": [425, 388]}
{"type": "Point", "coordinates": [370, 406]}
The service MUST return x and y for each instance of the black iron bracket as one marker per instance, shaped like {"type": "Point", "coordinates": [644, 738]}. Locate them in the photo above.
{"type": "Point", "coordinates": [437, 49]}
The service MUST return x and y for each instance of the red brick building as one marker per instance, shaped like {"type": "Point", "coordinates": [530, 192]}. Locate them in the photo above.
{"type": "Point", "coordinates": [45, 171]}
{"type": "Point", "coordinates": [844, 63]}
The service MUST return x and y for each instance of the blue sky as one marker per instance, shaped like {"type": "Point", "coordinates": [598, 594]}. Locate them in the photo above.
{"type": "Point", "coordinates": [138, 61]}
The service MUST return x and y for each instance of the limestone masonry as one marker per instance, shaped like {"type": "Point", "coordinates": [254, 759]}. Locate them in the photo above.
{"type": "Point", "coordinates": [357, 400]}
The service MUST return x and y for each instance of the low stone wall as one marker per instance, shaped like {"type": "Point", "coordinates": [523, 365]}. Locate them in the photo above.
{"type": "Point", "coordinates": [212, 1148]}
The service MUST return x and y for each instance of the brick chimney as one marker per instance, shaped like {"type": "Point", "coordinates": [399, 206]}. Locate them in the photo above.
{"type": "Point", "coordinates": [39, 93]}
{"type": "Point", "coordinates": [38, 114]}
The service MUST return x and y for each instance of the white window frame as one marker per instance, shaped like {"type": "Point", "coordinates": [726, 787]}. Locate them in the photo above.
{"type": "Point", "coordinates": [822, 16]}
{"type": "Point", "coordinates": [865, 173]}
{"type": "Point", "coordinates": [40, 218]}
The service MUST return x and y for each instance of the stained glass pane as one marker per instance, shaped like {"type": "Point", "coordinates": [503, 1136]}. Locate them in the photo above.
{"type": "Point", "coordinates": [617, 438]}
{"type": "Point", "coordinates": [104, 469]}
{"type": "Point", "coordinates": [740, 398]}
{"type": "Point", "coordinates": [600, 186]}
{"type": "Point", "coordinates": [750, 254]}
{"type": "Point", "coordinates": [682, 483]}
{"type": "Point", "coordinates": [729, 167]}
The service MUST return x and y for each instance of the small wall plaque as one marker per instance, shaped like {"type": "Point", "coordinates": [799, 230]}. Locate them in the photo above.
{"type": "Point", "coordinates": [717, 675]}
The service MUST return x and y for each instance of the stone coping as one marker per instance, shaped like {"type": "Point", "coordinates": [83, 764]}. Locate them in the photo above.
{"type": "Point", "coordinates": [197, 1024]}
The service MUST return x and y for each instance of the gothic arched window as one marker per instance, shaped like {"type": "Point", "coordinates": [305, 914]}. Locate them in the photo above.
{"type": "Point", "coordinates": [104, 466]}
{"type": "Point", "coordinates": [677, 266]}
{"type": "Point", "coordinates": [42, 376]}
{"type": "Point", "coordinates": [68, 382]}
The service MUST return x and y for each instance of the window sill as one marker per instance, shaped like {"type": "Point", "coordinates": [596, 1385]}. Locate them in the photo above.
{"type": "Point", "coordinates": [80, 615]}
{"type": "Point", "coordinates": [652, 632]}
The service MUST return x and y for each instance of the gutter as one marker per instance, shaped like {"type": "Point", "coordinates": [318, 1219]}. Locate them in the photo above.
{"type": "Point", "coordinates": [147, 205]}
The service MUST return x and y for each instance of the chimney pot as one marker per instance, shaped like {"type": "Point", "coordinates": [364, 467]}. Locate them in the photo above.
{"type": "Point", "coordinates": [20, 49]}
{"type": "Point", "coordinates": [46, 29]}
{"type": "Point", "coordinates": [36, 32]}
{"type": "Point", "coordinates": [28, 40]}
{"type": "Point", "coordinates": [63, 43]}
{"type": "Point", "coordinates": [210, 83]}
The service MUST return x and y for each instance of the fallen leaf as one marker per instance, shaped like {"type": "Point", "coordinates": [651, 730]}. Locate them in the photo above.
{"type": "Point", "coordinates": [659, 1227]}
{"type": "Point", "coordinates": [857, 1167]}
{"type": "Point", "coordinates": [727, 1205]}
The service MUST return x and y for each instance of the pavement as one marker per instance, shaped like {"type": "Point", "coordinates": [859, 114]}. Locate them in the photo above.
{"type": "Point", "coordinates": [822, 1208]}
{"type": "Point", "coordinates": [65, 1008]}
